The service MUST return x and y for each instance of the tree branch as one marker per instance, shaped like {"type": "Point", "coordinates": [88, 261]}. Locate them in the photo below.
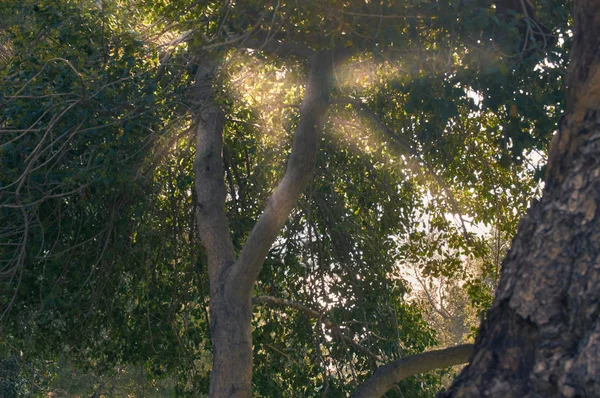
{"type": "Point", "coordinates": [269, 44]}
{"type": "Point", "coordinates": [298, 174]}
{"type": "Point", "coordinates": [209, 174]}
{"type": "Point", "coordinates": [263, 41]}
{"type": "Point", "coordinates": [317, 315]}
{"type": "Point", "coordinates": [387, 376]}
{"type": "Point", "coordinates": [432, 302]}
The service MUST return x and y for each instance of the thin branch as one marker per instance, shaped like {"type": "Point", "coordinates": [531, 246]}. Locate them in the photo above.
{"type": "Point", "coordinates": [283, 354]}
{"type": "Point", "coordinates": [69, 64]}
{"type": "Point", "coordinates": [317, 315]}
{"type": "Point", "coordinates": [384, 16]}
{"type": "Point", "coordinates": [387, 376]}
{"type": "Point", "coordinates": [432, 302]}
{"type": "Point", "coordinates": [18, 267]}
{"type": "Point", "coordinates": [264, 42]}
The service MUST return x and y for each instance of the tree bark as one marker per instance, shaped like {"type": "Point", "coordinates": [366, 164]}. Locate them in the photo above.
{"type": "Point", "coordinates": [230, 317]}
{"type": "Point", "coordinates": [231, 279]}
{"type": "Point", "coordinates": [541, 338]}
{"type": "Point", "coordinates": [299, 173]}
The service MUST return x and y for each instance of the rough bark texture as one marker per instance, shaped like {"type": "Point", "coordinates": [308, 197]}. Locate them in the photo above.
{"type": "Point", "coordinates": [541, 337]}
{"type": "Point", "coordinates": [231, 280]}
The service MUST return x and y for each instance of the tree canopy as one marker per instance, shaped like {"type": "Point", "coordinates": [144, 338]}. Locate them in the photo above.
{"type": "Point", "coordinates": [432, 119]}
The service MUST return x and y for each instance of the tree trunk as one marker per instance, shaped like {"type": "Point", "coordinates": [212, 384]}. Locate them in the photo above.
{"type": "Point", "coordinates": [231, 279]}
{"type": "Point", "coordinates": [541, 338]}
{"type": "Point", "coordinates": [231, 336]}
{"type": "Point", "coordinates": [230, 317]}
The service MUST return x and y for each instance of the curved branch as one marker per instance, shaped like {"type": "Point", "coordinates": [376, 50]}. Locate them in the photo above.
{"type": "Point", "coordinates": [385, 377]}
{"type": "Point", "coordinates": [317, 315]}
{"type": "Point", "coordinates": [298, 174]}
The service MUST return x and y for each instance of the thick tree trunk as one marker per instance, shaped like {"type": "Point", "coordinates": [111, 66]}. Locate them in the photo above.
{"type": "Point", "coordinates": [541, 338]}
{"type": "Point", "coordinates": [231, 336]}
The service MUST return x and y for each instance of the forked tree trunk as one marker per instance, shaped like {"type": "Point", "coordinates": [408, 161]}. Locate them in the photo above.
{"type": "Point", "coordinates": [232, 279]}
{"type": "Point", "coordinates": [541, 338]}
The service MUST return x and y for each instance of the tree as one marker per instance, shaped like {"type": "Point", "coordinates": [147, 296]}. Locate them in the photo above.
{"type": "Point", "coordinates": [231, 301]}
{"type": "Point", "coordinates": [540, 338]}
{"type": "Point", "coordinates": [67, 190]}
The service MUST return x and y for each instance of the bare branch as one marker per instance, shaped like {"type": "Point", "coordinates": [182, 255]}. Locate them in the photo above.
{"type": "Point", "coordinates": [384, 16]}
{"type": "Point", "coordinates": [264, 42]}
{"type": "Point", "coordinates": [69, 64]}
{"type": "Point", "coordinates": [432, 302]}
{"type": "Point", "coordinates": [387, 376]}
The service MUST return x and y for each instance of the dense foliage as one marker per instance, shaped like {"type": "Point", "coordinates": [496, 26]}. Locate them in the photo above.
{"type": "Point", "coordinates": [437, 134]}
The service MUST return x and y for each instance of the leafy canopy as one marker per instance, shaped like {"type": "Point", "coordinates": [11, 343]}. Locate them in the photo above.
{"type": "Point", "coordinates": [439, 123]}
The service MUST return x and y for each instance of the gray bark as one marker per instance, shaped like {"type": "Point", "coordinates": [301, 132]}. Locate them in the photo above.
{"type": "Point", "coordinates": [231, 279]}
